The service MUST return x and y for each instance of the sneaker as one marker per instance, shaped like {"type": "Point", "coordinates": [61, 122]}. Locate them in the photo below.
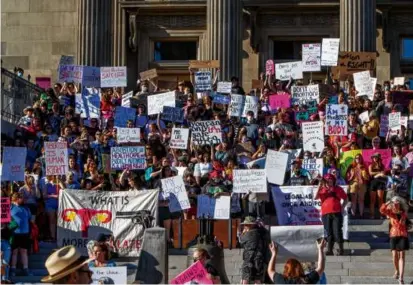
{"type": "Point", "coordinates": [12, 272]}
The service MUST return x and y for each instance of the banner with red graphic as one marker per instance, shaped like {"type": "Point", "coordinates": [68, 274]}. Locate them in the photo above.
{"type": "Point", "coordinates": [121, 216]}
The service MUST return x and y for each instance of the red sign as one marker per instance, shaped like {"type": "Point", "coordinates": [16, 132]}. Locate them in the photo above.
{"type": "Point", "coordinates": [5, 210]}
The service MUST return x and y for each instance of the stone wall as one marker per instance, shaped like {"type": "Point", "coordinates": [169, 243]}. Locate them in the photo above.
{"type": "Point", "coordinates": [35, 33]}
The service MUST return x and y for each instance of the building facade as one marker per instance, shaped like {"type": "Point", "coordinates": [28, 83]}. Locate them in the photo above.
{"type": "Point", "coordinates": [165, 34]}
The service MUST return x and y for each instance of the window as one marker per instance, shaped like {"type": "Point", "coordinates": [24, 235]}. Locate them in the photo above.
{"type": "Point", "coordinates": [407, 49]}
{"type": "Point", "coordinates": [175, 50]}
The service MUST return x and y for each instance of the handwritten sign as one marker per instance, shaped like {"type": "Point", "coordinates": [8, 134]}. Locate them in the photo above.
{"type": "Point", "coordinates": [236, 106]}
{"type": "Point", "coordinates": [91, 76]}
{"type": "Point", "coordinates": [174, 190]}
{"type": "Point", "coordinates": [114, 76]}
{"type": "Point", "coordinates": [5, 210]}
{"type": "Point", "coordinates": [222, 99]}
{"type": "Point", "coordinates": [286, 71]}
{"type": "Point", "coordinates": [311, 57]}
{"type": "Point", "coordinates": [127, 157]}
{"type": "Point", "coordinates": [158, 101]}
{"type": "Point", "coordinates": [275, 166]}
{"type": "Point", "coordinates": [203, 81]}
{"type": "Point", "coordinates": [269, 67]}
{"type": "Point", "coordinates": [279, 101]}
{"type": "Point", "coordinates": [215, 208]}
{"type": "Point", "coordinates": [250, 104]}
{"type": "Point", "coordinates": [14, 160]}
{"type": "Point", "coordinates": [204, 63]}
{"type": "Point", "coordinates": [123, 115]}
{"type": "Point", "coordinates": [364, 117]}
{"type": "Point", "coordinates": [314, 167]}
{"type": "Point", "coordinates": [206, 132]}
{"type": "Point", "coordinates": [249, 180]}
{"type": "Point", "coordinates": [179, 138]}
{"type": "Point", "coordinates": [56, 158]}
{"type": "Point", "coordinates": [329, 52]}
{"type": "Point", "coordinates": [172, 114]}
{"type": "Point", "coordinates": [336, 120]}
{"type": "Point", "coordinates": [384, 125]}
{"type": "Point", "coordinates": [350, 62]}
{"type": "Point", "coordinates": [70, 73]}
{"type": "Point", "coordinates": [398, 81]}
{"type": "Point", "coordinates": [148, 74]}
{"type": "Point", "coordinates": [403, 122]}
{"type": "Point", "coordinates": [394, 120]}
{"type": "Point", "coordinates": [128, 135]}
{"type": "Point", "coordinates": [362, 83]}
{"type": "Point", "coordinates": [126, 99]}
{"type": "Point", "coordinates": [313, 136]}
{"type": "Point", "coordinates": [195, 273]}
{"type": "Point", "coordinates": [109, 275]}
{"type": "Point", "coordinates": [301, 95]}
{"type": "Point", "coordinates": [224, 87]}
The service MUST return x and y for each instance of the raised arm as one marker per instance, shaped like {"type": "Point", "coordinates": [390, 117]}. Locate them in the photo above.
{"type": "Point", "coordinates": [271, 265]}
{"type": "Point", "coordinates": [321, 257]}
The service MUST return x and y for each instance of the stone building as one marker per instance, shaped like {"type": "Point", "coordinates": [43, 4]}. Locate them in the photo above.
{"type": "Point", "coordinates": [165, 34]}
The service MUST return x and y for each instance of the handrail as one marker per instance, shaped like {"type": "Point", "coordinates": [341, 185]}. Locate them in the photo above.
{"type": "Point", "coordinates": [21, 80]}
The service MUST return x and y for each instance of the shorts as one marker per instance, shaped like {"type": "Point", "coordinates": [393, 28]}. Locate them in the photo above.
{"type": "Point", "coordinates": [356, 188]}
{"type": "Point", "coordinates": [20, 241]}
{"type": "Point", "coordinates": [165, 214]}
{"type": "Point", "coordinates": [399, 243]}
{"type": "Point", "coordinates": [377, 184]}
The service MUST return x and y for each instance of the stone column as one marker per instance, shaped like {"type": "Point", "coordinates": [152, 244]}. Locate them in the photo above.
{"type": "Point", "coordinates": [94, 44]}
{"type": "Point", "coordinates": [224, 28]}
{"type": "Point", "coordinates": [358, 25]}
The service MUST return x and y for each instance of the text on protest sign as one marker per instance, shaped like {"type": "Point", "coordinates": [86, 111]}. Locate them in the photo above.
{"type": "Point", "coordinates": [84, 215]}
{"type": "Point", "coordinates": [179, 138]}
{"type": "Point", "coordinates": [329, 52]}
{"type": "Point", "coordinates": [250, 104]}
{"type": "Point", "coordinates": [127, 157]}
{"type": "Point", "coordinates": [394, 120]}
{"type": "Point", "coordinates": [302, 95]}
{"type": "Point", "coordinates": [313, 136]}
{"type": "Point", "coordinates": [275, 166]}
{"type": "Point", "coordinates": [67, 60]}
{"type": "Point", "coordinates": [363, 83]}
{"type": "Point", "coordinates": [172, 114]}
{"type": "Point", "coordinates": [203, 81]}
{"type": "Point", "coordinates": [222, 99]}
{"type": "Point", "coordinates": [206, 132]}
{"type": "Point", "coordinates": [5, 210]}
{"type": "Point", "coordinates": [14, 160]}
{"type": "Point", "coordinates": [158, 101]}
{"type": "Point", "coordinates": [114, 76]}
{"type": "Point", "coordinates": [286, 71]}
{"type": "Point", "coordinates": [384, 125]}
{"type": "Point", "coordinates": [350, 62]}
{"type": "Point", "coordinates": [311, 57]}
{"type": "Point", "coordinates": [278, 101]}
{"type": "Point", "coordinates": [336, 120]}
{"type": "Point", "coordinates": [251, 180]}
{"type": "Point", "coordinates": [195, 273]}
{"type": "Point", "coordinates": [174, 190]}
{"type": "Point", "coordinates": [91, 76]}
{"type": "Point", "coordinates": [269, 67]}
{"type": "Point", "coordinates": [71, 73]}
{"type": "Point", "coordinates": [398, 81]}
{"type": "Point", "coordinates": [56, 158]}
{"type": "Point", "coordinates": [148, 74]}
{"type": "Point", "coordinates": [123, 115]}
{"type": "Point", "coordinates": [236, 106]}
{"type": "Point", "coordinates": [224, 87]}
{"type": "Point", "coordinates": [403, 122]}
{"type": "Point", "coordinates": [88, 103]}
{"type": "Point", "coordinates": [126, 99]}
{"type": "Point", "coordinates": [128, 135]}
{"type": "Point", "coordinates": [117, 275]}
{"type": "Point", "coordinates": [314, 166]}
{"type": "Point", "coordinates": [213, 208]}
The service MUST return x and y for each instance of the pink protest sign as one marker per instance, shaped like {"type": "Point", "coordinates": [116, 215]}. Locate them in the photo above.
{"type": "Point", "coordinates": [280, 101]}
{"type": "Point", "coordinates": [5, 210]}
{"type": "Point", "coordinates": [385, 156]}
{"type": "Point", "coordinates": [43, 82]}
{"type": "Point", "coordinates": [196, 272]}
{"type": "Point", "coordinates": [269, 67]}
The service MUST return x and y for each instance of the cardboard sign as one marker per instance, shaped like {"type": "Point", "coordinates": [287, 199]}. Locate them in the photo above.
{"type": "Point", "coordinates": [114, 76]}
{"type": "Point", "coordinates": [56, 158]}
{"type": "Point", "coordinates": [256, 84]}
{"type": "Point", "coordinates": [224, 87]}
{"type": "Point", "coordinates": [5, 210]}
{"type": "Point", "coordinates": [329, 52]}
{"type": "Point", "coordinates": [204, 63]}
{"type": "Point", "coordinates": [126, 99]}
{"type": "Point", "coordinates": [179, 138]}
{"type": "Point", "coordinates": [286, 71]}
{"type": "Point", "coordinates": [148, 74]}
{"type": "Point", "coordinates": [91, 76]}
{"type": "Point", "coordinates": [314, 167]}
{"type": "Point", "coordinates": [399, 81]}
{"type": "Point", "coordinates": [311, 57]}
{"type": "Point", "coordinates": [213, 208]}
{"type": "Point", "coordinates": [301, 95]}
{"type": "Point", "coordinates": [236, 106]}
{"type": "Point", "coordinates": [70, 73]}
{"type": "Point", "coordinates": [123, 115]}
{"type": "Point", "coordinates": [222, 99]}
{"type": "Point", "coordinates": [206, 132]}
{"type": "Point", "coordinates": [203, 81]}
{"type": "Point", "coordinates": [172, 114]}
{"type": "Point", "coordinates": [280, 101]}
{"type": "Point", "coordinates": [336, 120]}
{"type": "Point", "coordinates": [127, 157]}
{"type": "Point", "coordinates": [363, 83]}
{"type": "Point", "coordinates": [128, 135]}
{"type": "Point", "coordinates": [88, 103]}
{"type": "Point", "coordinates": [158, 101]}
{"type": "Point", "coordinates": [195, 274]}
{"type": "Point", "coordinates": [313, 136]}
{"type": "Point", "coordinates": [174, 190]}
{"type": "Point", "coordinates": [14, 161]}
{"type": "Point", "coordinates": [109, 275]}
{"type": "Point", "coordinates": [394, 120]}
{"type": "Point", "coordinates": [275, 166]}
{"type": "Point", "coordinates": [269, 67]}
{"type": "Point", "coordinates": [350, 62]}
{"type": "Point", "coordinates": [249, 180]}
{"type": "Point", "coordinates": [384, 153]}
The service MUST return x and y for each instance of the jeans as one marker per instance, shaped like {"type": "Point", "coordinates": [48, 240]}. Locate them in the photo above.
{"type": "Point", "coordinates": [333, 225]}
{"type": "Point", "coordinates": [6, 249]}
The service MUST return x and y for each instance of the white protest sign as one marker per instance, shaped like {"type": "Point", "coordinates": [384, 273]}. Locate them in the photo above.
{"type": "Point", "coordinates": [222, 208]}
{"type": "Point", "coordinates": [249, 180]}
{"type": "Point", "coordinates": [398, 81]}
{"type": "Point", "coordinates": [404, 121]}
{"type": "Point", "coordinates": [276, 165]}
{"type": "Point", "coordinates": [313, 136]}
{"type": "Point", "coordinates": [56, 158]}
{"type": "Point", "coordinates": [224, 87]}
{"type": "Point", "coordinates": [114, 76]}
{"type": "Point", "coordinates": [109, 275]}
{"type": "Point", "coordinates": [329, 52]}
{"type": "Point", "coordinates": [287, 70]}
{"type": "Point", "coordinates": [364, 117]}
{"type": "Point", "coordinates": [301, 95]}
{"type": "Point", "coordinates": [394, 120]}
{"type": "Point", "coordinates": [128, 135]}
{"type": "Point", "coordinates": [203, 81]}
{"type": "Point", "coordinates": [126, 99]}
{"type": "Point", "coordinates": [336, 120]}
{"type": "Point", "coordinates": [206, 132]}
{"type": "Point", "coordinates": [174, 190]}
{"type": "Point", "coordinates": [215, 208]}
{"type": "Point", "coordinates": [314, 167]}
{"type": "Point", "coordinates": [250, 104]}
{"type": "Point", "coordinates": [14, 161]}
{"type": "Point", "coordinates": [373, 82]}
{"type": "Point", "coordinates": [363, 83]}
{"type": "Point", "coordinates": [156, 102]}
{"type": "Point", "coordinates": [179, 138]}
{"type": "Point", "coordinates": [311, 57]}
{"type": "Point", "coordinates": [236, 106]}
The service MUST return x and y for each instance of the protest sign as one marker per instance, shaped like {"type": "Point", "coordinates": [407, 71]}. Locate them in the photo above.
{"type": "Point", "coordinates": [222, 99]}
{"type": "Point", "coordinates": [174, 190]}
{"type": "Point", "coordinates": [56, 158]}
{"type": "Point", "coordinates": [269, 67]}
{"type": "Point", "coordinates": [314, 166]}
{"type": "Point", "coordinates": [67, 60]}
{"type": "Point", "coordinates": [5, 210]}
{"type": "Point", "coordinates": [363, 83]}
{"type": "Point", "coordinates": [329, 52]}
{"type": "Point", "coordinates": [257, 164]}
{"type": "Point", "coordinates": [350, 62]}
{"type": "Point", "coordinates": [287, 70]}
{"type": "Point", "coordinates": [14, 161]}
{"type": "Point", "coordinates": [172, 114]}
{"type": "Point", "coordinates": [70, 73]}
{"type": "Point", "coordinates": [88, 103]}
{"type": "Point", "coordinates": [194, 274]}
{"type": "Point", "coordinates": [203, 81]}
{"type": "Point", "coordinates": [109, 275]}
{"type": "Point", "coordinates": [206, 132]}
{"type": "Point", "coordinates": [346, 159]}
{"type": "Point", "coordinates": [123, 115]}
{"type": "Point", "coordinates": [313, 136]}
{"type": "Point", "coordinates": [148, 74]}
{"type": "Point", "coordinates": [249, 180]}
{"type": "Point", "coordinates": [84, 215]}
{"type": "Point", "coordinates": [126, 99]}
{"type": "Point", "coordinates": [278, 101]}
{"type": "Point", "coordinates": [213, 208]}
{"type": "Point", "coordinates": [179, 138]}
{"type": "Point", "coordinates": [275, 166]}
{"type": "Point", "coordinates": [301, 95]}
{"type": "Point", "coordinates": [204, 63]}
{"type": "Point", "coordinates": [311, 57]}
{"type": "Point", "coordinates": [128, 135]}
{"type": "Point", "coordinates": [256, 84]}
{"type": "Point", "coordinates": [336, 120]}
{"type": "Point", "coordinates": [158, 101]}
{"type": "Point", "coordinates": [403, 122]}
{"type": "Point", "coordinates": [384, 125]}
{"type": "Point", "coordinates": [113, 76]}
{"type": "Point", "coordinates": [236, 106]}
{"type": "Point", "coordinates": [250, 104]}
{"type": "Point", "coordinates": [301, 116]}
{"type": "Point", "coordinates": [127, 157]}
{"type": "Point", "coordinates": [398, 81]}
{"type": "Point", "coordinates": [292, 155]}
{"type": "Point", "coordinates": [364, 117]}
{"type": "Point", "coordinates": [384, 153]}
{"type": "Point", "coordinates": [91, 76]}
{"type": "Point", "coordinates": [394, 120]}
{"type": "Point", "coordinates": [224, 87]}
{"type": "Point", "coordinates": [373, 82]}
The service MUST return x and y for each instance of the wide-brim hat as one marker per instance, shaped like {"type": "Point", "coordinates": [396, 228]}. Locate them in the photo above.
{"type": "Point", "coordinates": [28, 108]}
{"type": "Point", "coordinates": [249, 220]}
{"type": "Point", "coordinates": [376, 155]}
{"type": "Point", "coordinates": [63, 262]}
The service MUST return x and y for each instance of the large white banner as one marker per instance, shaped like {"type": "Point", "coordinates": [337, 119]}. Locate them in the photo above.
{"type": "Point", "coordinates": [249, 180]}
{"type": "Point", "coordinates": [287, 70]}
{"type": "Point", "coordinates": [56, 158]}
{"type": "Point", "coordinates": [156, 102]}
{"type": "Point", "coordinates": [206, 132]}
{"type": "Point", "coordinates": [14, 161]}
{"type": "Point", "coordinates": [84, 215]}
{"type": "Point", "coordinates": [109, 275]}
{"type": "Point", "coordinates": [311, 57]}
{"type": "Point", "coordinates": [313, 136]}
{"type": "Point", "coordinates": [276, 165]}
{"type": "Point", "coordinates": [336, 120]}
{"type": "Point", "coordinates": [302, 95]}
{"type": "Point", "coordinates": [329, 52]}
{"type": "Point", "coordinates": [179, 138]}
{"type": "Point", "coordinates": [173, 188]}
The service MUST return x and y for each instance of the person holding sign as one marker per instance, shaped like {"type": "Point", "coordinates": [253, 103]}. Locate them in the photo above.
{"type": "Point", "coordinates": [357, 177]}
